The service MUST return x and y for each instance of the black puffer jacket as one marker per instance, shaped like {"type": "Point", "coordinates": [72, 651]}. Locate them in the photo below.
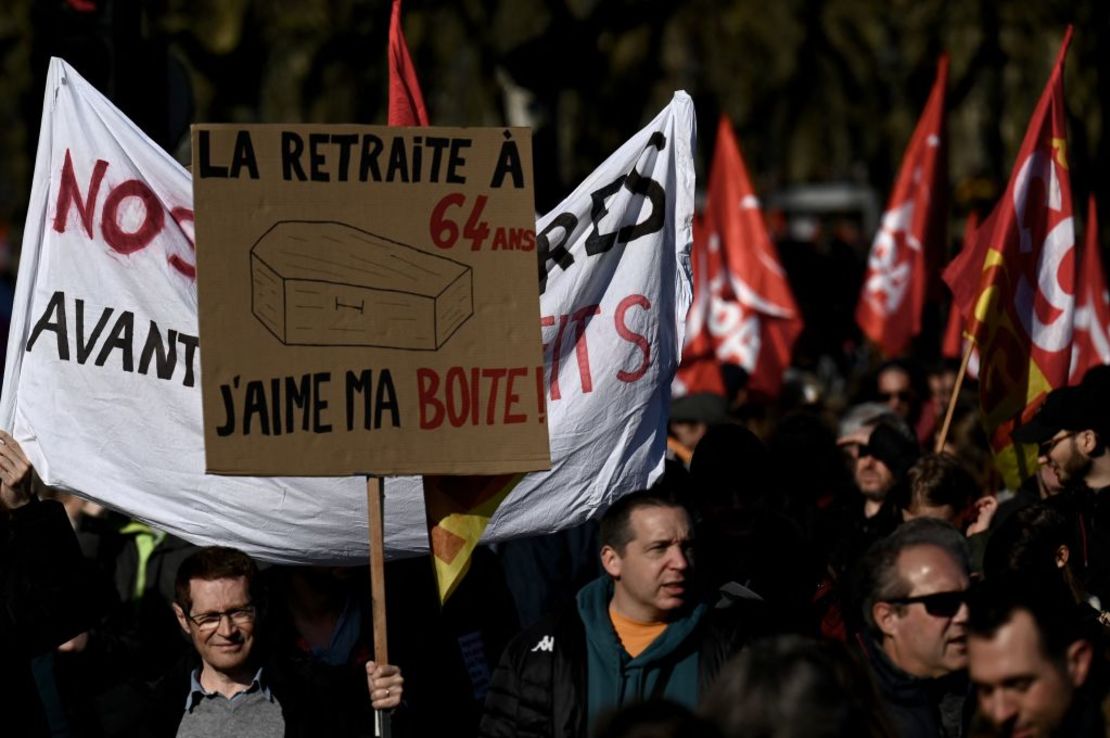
{"type": "Point", "coordinates": [539, 688]}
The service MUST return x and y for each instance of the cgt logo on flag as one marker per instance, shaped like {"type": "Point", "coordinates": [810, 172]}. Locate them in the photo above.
{"type": "Point", "coordinates": [890, 262]}
{"type": "Point", "coordinates": [1047, 241]}
{"type": "Point", "coordinates": [736, 329]}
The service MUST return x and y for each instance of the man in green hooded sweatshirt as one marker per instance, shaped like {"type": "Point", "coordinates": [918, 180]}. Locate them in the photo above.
{"type": "Point", "coordinates": [639, 632]}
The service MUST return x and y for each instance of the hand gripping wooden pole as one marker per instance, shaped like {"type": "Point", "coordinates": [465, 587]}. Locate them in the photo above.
{"type": "Point", "coordinates": [375, 497]}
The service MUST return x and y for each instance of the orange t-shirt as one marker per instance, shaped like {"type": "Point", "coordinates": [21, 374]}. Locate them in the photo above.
{"type": "Point", "coordinates": [634, 635]}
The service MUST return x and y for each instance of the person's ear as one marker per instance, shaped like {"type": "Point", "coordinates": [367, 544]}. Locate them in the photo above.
{"type": "Point", "coordinates": [181, 619]}
{"type": "Point", "coordinates": [885, 616]}
{"type": "Point", "coordinates": [1079, 657]}
{"type": "Point", "coordinates": [1062, 555]}
{"type": "Point", "coordinates": [1088, 441]}
{"type": "Point", "coordinates": [611, 561]}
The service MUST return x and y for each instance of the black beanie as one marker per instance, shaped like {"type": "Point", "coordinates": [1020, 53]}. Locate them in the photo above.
{"type": "Point", "coordinates": [893, 449]}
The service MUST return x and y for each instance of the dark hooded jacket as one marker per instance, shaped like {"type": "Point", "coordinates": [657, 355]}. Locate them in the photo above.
{"type": "Point", "coordinates": [542, 685]}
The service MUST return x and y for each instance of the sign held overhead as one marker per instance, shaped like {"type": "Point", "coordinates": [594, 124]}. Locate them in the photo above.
{"type": "Point", "coordinates": [367, 300]}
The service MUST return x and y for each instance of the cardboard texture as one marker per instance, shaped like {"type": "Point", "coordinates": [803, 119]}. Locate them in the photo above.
{"type": "Point", "coordinates": [368, 300]}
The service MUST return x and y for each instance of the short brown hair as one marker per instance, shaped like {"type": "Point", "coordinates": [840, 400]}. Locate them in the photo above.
{"type": "Point", "coordinates": [209, 564]}
{"type": "Point", "coordinates": [615, 529]}
{"type": "Point", "coordinates": [937, 480]}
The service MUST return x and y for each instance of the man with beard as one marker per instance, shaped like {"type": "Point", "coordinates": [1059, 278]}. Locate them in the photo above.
{"type": "Point", "coordinates": [637, 633]}
{"type": "Point", "coordinates": [1072, 430]}
{"type": "Point", "coordinates": [912, 590]}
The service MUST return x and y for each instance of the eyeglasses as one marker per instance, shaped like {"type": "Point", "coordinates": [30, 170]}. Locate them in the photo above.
{"type": "Point", "coordinates": [209, 621]}
{"type": "Point", "coordinates": [938, 604]}
{"type": "Point", "coordinates": [1045, 448]}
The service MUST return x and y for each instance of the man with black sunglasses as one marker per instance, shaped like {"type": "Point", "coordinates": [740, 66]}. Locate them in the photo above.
{"type": "Point", "coordinates": [912, 587]}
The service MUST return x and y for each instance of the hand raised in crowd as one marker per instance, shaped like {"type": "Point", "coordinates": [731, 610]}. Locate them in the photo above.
{"type": "Point", "coordinates": [984, 510]}
{"type": "Point", "coordinates": [386, 685]}
{"type": "Point", "coordinates": [15, 473]}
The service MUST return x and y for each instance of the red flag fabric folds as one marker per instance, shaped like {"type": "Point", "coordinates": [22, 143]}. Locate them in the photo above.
{"type": "Point", "coordinates": [406, 103]}
{"type": "Point", "coordinates": [1091, 342]}
{"type": "Point", "coordinates": [1016, 287]}
{"type": "Point", "coordinates": [699, 371]}
{"type": "Point", "coordinates": [952, 345]}
{"type": "Point", "coordinates": [907, 249]}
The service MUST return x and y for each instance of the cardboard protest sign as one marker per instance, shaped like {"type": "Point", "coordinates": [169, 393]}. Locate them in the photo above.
{"type": "Point", "coordinates": [368, 300]}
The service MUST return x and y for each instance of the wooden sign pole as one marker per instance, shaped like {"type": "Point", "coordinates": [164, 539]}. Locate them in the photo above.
{"type": "Point", "coordinates": [375, 497]}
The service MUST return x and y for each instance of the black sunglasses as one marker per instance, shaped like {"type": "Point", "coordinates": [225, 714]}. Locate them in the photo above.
{"type": "Point", "coordinates": [938, 604]}
{"type": "Point", "coordinates": [863, 451]}
{"type": "Point", "coordinates": [901, 395]}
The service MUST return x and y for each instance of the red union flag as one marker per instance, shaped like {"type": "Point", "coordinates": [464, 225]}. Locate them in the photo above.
{"type": "Point", "coordinates": [1016, 287]}
{"type": "Point", "coordinates": [699, 371]}
{"type": "Point", "coordinates": [751, 317]}
{"type": "Point", "coordinates": [906, 249]}
{"type": "Point", "coordinates": [1091, 343]}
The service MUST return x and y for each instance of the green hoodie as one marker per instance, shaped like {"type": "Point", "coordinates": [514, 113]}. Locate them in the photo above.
{"type": "Point", "coordinates": [614, 678]}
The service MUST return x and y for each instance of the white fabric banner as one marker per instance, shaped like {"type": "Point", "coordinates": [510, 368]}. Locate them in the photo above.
{"type": "Point", "coordinates": [101, 383]}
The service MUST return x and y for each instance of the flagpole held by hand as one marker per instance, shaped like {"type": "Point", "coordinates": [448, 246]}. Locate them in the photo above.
{"type": "Point", "coordinates": [943, 435]}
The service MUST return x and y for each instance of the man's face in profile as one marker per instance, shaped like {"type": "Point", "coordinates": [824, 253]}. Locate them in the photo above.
{"type": "Point", "coordinates": [1023, 692]}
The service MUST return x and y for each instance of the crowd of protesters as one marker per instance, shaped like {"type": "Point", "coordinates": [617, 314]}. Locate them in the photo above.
{"type": "Point", "coordinates": [802, 569]}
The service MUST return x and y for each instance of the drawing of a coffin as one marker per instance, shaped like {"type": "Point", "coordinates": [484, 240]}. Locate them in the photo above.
{"type": "Point", "coordinates": [319, 283]}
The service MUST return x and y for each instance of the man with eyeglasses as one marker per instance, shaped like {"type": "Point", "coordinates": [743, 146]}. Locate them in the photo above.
{"type": "Point", "coordinates": [1072, 433]}
{"type": "Point", "coordinates": [912, 589]}
{"type": "Point", "coordinates": [1067, 430]}
{"type": "Point", "coordinates": [235, 690]}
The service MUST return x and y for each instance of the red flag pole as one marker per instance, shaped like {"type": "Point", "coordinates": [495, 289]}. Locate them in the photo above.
{"type": "Point", "coordinates": [943, 435]}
